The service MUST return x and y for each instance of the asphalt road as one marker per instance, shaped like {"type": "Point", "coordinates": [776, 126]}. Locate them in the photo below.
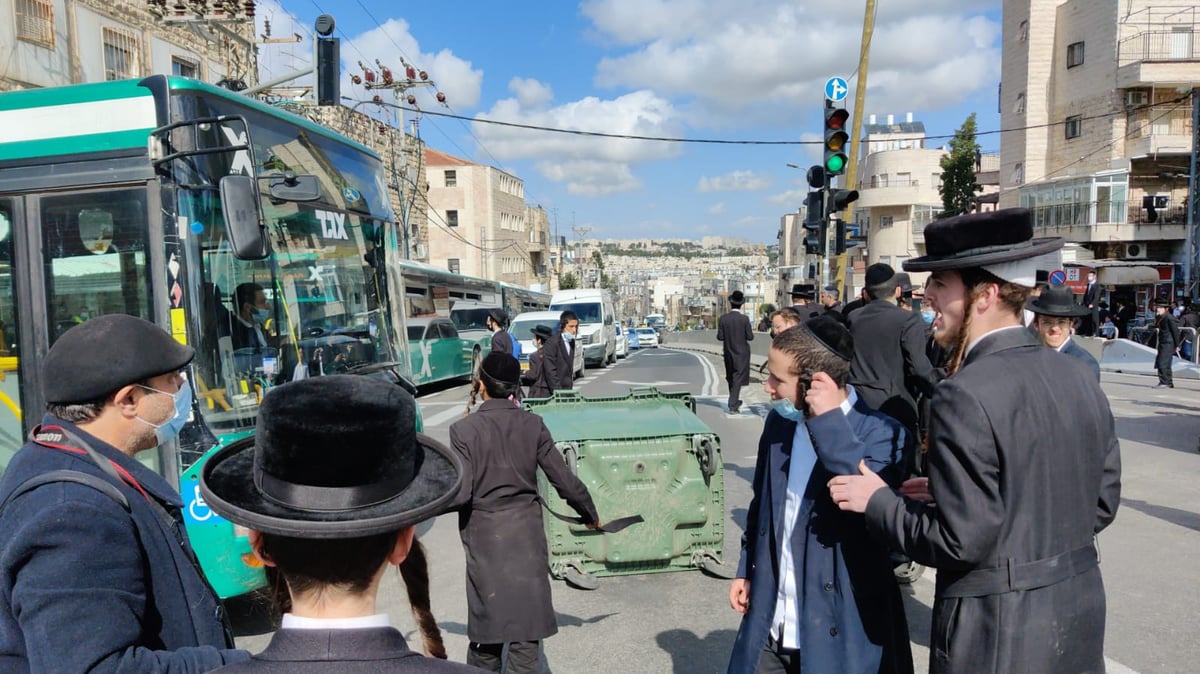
{"type": "Point", "coordinates": [681, 622]}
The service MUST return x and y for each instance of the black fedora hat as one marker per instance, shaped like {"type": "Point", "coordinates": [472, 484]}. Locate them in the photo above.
{"type": "Point", "coordinates": [333, 457]}
{"type": "Point", "coordinates": [1057, 300]}
{"type": "Point", "coordinates": [804, 291]}
{"type": "Point", "coordinates": [498, 316]}
{"type": "Point", "coordinates": [979, 239]}
{"type": "Point", "coordinates": [543, 331]}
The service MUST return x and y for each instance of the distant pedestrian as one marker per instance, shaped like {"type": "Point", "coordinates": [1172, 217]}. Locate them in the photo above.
{"type": "Point", "coordinates": [1056, 317]}
{"type": "Point", "coordinates": [733, 329]}
{"type": "Point", "coordinates": [558, 357]}
{"type": "Point", "coordinates": [534, 377]}
{"type": "Point", "coordinates": [502, 446]}
{"type": "Point", "coordinates": [832, 307]}
{"type": "Point", "coordinates": [1021, 476]}
{"type": "Point", "coordinates": [1190, 319]}
{"type": "Point", "coordinates": [1124, 315]}
{"type": "Point", "coordinates": [502, 342]}
{"type": "Point", "coordinates": [1091, 301]}
{"type": "Point", "coordinates": [331, 496]}
{"type": "Point", "coordinates": [1166, 328]}
{"type": "Point", "coordinates": [804, 300]}
{"type": "Point", "coordinates": [96, 572]}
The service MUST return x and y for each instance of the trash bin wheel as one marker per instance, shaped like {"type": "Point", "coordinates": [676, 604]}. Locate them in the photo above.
{"type": "Point", "coordinates": [580, 580]}
{"type": "Point", "coordinates": [713, 567]}
{"type": "Point", "coordinates": [572, 459]}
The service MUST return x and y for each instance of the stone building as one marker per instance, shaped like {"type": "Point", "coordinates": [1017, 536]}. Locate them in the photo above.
{"type": "Point", "coordinates": [50, 43]}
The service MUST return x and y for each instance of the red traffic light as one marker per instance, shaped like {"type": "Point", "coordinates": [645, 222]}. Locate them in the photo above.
{"type": "Point", "coordinates": [836, 118]}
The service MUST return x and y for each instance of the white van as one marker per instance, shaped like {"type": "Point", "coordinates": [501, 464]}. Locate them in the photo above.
{"type": "Point", "coordinates": [597, 322]}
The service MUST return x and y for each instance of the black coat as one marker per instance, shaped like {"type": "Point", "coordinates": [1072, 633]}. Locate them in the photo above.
{"type": "Point", "coordinates": [1021, 474]}
{"type": "Point", "coordinates": [87, 586]}
{"type": "Point", "coordinates": [1167, 329]}
{"type": "Point", "coordinates": [502, 342]}
{"type": "Point", "coordinates": [890, 365]}
{"type": "Point", "coordinates": [534, 377]}
{"type": "Point", "coordinates": [735, 331]}
{"type": "Point", "coordinates": [1074, 350]}
{"type": "Point", "coordinates": [558, 364]}
{"type": "Point", "coordinates": [500, 521]}
{"type": "Point", "coordinates": [368, 650]}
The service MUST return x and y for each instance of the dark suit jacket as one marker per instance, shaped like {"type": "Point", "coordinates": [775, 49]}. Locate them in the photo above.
{"type": "Point", "coordinates": [534, 378]}
{"type": "Point", "coordinates": [558, 364]}
{"type": "Point", "coordinates": [1074, 350]}
{"type": "Point", "coordinates": [87, 586]}
{"type": "Point", "coordinates": [1024, 465]}
{"type": "Point", "coordinates": [369, 650]}
{"type": "Point", "coordinates": [889, 358]}
{"type": "Point", "coordinates": [500, 521]}
{"type": "Point", "coordinates": [502, 342]}
{"type": "Point", "coordinates": [735, 331]}
{"type": "Point", "coordinates": [852, 617]}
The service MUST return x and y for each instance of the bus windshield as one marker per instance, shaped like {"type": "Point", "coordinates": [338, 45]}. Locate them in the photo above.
{"type": "Point", "coordinates": [317, 305]}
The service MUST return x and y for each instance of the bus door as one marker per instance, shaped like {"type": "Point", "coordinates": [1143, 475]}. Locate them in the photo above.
{"type": "Point", "coordinates": [92, 248]}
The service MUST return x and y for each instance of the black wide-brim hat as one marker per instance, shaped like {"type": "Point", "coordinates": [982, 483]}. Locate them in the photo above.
{"type": "Point", "coordinates": [498, 316]}
{"type": "Point", "coordinates": [1058, 301]}
{"type": "Point", "coordinates": [804, 291]}
{"type": "Point", "coordinates": [333, 457]}
{"type": "Point", "coordinates": [979, 239]}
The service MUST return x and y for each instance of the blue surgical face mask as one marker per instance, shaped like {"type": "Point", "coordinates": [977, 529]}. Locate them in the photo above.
{"type": "Point", "coordinates": [261, 315]}
{"type": "Point", "coordinates": [570, 336]}
{"type": "Point", "coordinates": [787, 409]}
{"type": "Point", "coordinates": [169, 429]}
{"type": "Point", "coordinates": [927, 316]}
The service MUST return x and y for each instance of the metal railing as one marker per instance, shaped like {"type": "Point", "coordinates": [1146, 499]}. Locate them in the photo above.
{"type": "Point", "coordinates": [1159, 45]}
{"type": "Point", "coordinates": [1080, 214]}
{"type": "Point", "coordinates": [1172, 215]}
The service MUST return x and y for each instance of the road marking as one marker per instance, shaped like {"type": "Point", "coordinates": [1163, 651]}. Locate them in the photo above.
{"type": "Point", "coordinates": [444, 416]}
{"type": "Point", "coordinates": [711, 385]}
{"type": "Point", "coordinates": [649, 383]}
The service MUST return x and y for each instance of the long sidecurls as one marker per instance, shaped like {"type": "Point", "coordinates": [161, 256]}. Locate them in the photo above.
{"type": "Point", "coordinates": [976, 280]}
{"type": "Point", "coordinates": [415, 572]}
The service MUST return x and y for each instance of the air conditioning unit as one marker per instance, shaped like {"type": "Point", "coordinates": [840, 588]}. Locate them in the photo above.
{"type": "Point", "coordinates": [1135, 250]}
{"type": "Point", "coordinates": [420, 252]}
{"type": "Point", "coordinates": [1135, 97]}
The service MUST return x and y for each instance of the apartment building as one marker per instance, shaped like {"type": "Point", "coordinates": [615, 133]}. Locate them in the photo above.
{"type": "Point", "coordinates": [50, 43]}
{"type": "Point", "coordinates": [479, 224]}
{"type": "Point", "coordinates": [1095, 93]}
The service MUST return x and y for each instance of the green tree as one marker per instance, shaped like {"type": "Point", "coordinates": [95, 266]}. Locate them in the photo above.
{"type": "Point", "coordinates": [766, 309]}
{"type": "Point", "coordinates": [568, 281]}
{"type": "Point", "coordinates": [959, 186]}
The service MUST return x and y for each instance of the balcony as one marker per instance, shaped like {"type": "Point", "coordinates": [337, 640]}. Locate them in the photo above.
{"type": "Point", "coordinates": [1103, 221]}
{"type": "Point", "coordinates": [1159, 57]}
{"type": "Point", "coordinates": [895, 193]}
{"type": "Point", "coordinates": [1159, 130]}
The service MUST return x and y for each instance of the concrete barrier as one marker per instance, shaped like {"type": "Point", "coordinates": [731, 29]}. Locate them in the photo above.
{"type": "Point", "coordinates": [1128, 357]}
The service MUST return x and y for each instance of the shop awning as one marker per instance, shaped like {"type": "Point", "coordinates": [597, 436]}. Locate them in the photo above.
{"type": "Point", "coordinates": [1126, 276]}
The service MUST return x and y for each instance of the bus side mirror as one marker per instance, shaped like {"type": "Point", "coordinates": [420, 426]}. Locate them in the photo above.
{"type": "Point", "coordinates": [292, 187]}
{"type": "Point", "coordinates": [239, 205]}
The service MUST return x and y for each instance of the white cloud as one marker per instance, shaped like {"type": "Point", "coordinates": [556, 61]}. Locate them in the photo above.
{"type": "Point", "coordinates": [769, 57]}
{"type": "Point", "coordinates": [737, 181]}
{"type": "Point", "coordinates": [793, 199]}
{"type": "Point", "coordinates": [717, 208]}
{"type": "Point", "coordinates": [590, 165]}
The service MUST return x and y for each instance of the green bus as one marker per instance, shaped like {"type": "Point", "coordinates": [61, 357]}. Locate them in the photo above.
{"type": "Point", "coordinates": [259, 238]}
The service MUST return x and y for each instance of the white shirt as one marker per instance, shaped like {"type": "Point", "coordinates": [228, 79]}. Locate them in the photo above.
{"type": "Point", "coordinates": [262, 339]}
{"type": "Point", "coordinates": [1063, 345]}
{"type": "Point", "coordinates": [295, 622]}
{"type": "Point", "coordinates": [787, 600]}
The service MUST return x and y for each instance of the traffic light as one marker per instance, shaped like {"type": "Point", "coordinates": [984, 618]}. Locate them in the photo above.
{"type": "Point", "coordinates": [839, 200]}
{"type": "Point", "coordinates": [814, 224]}
{"type": "Point", "coordinates": [329, 62]}
{"type": "Point", "coordinates": [836, 139]}
{"type": "Point", "coordinates": [817, 178]}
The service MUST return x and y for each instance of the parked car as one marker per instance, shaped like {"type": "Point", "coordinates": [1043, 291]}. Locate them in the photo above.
{"type": "Point", "coordinates": [631, 337]}
{"type": "Point", "coordinates": [622, 342]}
{"type": "Point", "coordinates": [521, 330]}
{"type": "Point", "coordinates": [647, 338]}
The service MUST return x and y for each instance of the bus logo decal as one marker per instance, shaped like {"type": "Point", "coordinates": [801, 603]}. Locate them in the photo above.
{"type": "Point", "coordinates": [333, 225]}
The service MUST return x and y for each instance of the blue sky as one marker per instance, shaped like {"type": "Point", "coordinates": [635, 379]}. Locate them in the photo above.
{"type": "Point", "coordinates": [740, 70]}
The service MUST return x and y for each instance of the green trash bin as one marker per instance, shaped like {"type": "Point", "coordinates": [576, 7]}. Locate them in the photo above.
{"type": "Point", "coordinates": [645, 454]}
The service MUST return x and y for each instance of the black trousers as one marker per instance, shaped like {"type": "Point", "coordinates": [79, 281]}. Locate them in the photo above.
{"type": "Point", "coordinates": [735, 397]}
{"type": "Point", "coordinates": [776, 659]}
{"type": "Point", "coordinates": [514, 657]}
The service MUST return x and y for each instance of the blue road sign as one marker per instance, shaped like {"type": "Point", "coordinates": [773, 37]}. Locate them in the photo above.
{"type": "Point", "coordinates": [1057, 277]}
{"type": "Point", "coordinates": [836, 89]}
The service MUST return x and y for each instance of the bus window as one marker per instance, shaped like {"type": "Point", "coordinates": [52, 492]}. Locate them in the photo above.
{"type": "Point", "coordinates": [95, 254]}
{"type": "Point", "coordinates": [11, 436]}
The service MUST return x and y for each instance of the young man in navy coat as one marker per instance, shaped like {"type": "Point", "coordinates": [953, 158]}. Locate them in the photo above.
{"type": "Point", "coordinates": [88, 583]}
{"type": "Point", "coordinates": [816, 593]}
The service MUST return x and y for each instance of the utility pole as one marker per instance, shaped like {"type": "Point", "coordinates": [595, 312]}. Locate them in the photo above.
{"type": "Point", "coordinates": [580, 232]}
{"type": "Point", "coordinates": [1191, 265]}
{"type": "Point", "coordinates": [860, 102]}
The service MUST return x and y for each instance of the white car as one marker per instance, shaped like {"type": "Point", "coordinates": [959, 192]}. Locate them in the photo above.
{"type": "Point", "coordinates": [647, 337]}
{"type": "Point", "coordinates": [622, 342]}
{"type": "Point", "coordinates": [521, 330]}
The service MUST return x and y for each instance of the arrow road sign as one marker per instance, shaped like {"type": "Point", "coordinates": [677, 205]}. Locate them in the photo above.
{"type": "Point", "coordinates": [836, 89]}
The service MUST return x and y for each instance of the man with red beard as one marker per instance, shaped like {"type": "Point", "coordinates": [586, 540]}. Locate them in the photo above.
{"type": "Point", "coordinates": [1023, 476]}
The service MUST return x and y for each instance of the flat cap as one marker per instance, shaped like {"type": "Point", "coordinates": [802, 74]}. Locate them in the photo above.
{"type": "Point", "coordinates": [99, 356]}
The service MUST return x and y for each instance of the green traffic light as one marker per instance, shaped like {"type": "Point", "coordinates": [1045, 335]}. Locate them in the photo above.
{"type": "Point", "coordinates": [835, 163]}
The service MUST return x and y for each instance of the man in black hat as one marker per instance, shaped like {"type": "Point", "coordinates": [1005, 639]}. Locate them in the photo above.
{"type": "Point", "coordinates": [1166, 328]}
{"type": "Point", "coordinates": [735, 333]}
{"type": "Point", "coordinates": [1055, 317]}
{"type": "Point", "coordinates": [1023, 475]}
{"type": "Point", "coordinates": [804, 296]}
{"type": "Point", "coordinates": [502, 342]}
{"type": "Point", "coordinates": [500, 522]}
{"type": "Point", "coordinates": [535, 377]}
{"type": "Point", "coordinates": [890, 367]}
{"type": "Point", "coordinates": [331, 495]}
{"type": "Point", "coordinates": [812, 585]}
{"type": "Point", "coordinates": [96, 573]}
